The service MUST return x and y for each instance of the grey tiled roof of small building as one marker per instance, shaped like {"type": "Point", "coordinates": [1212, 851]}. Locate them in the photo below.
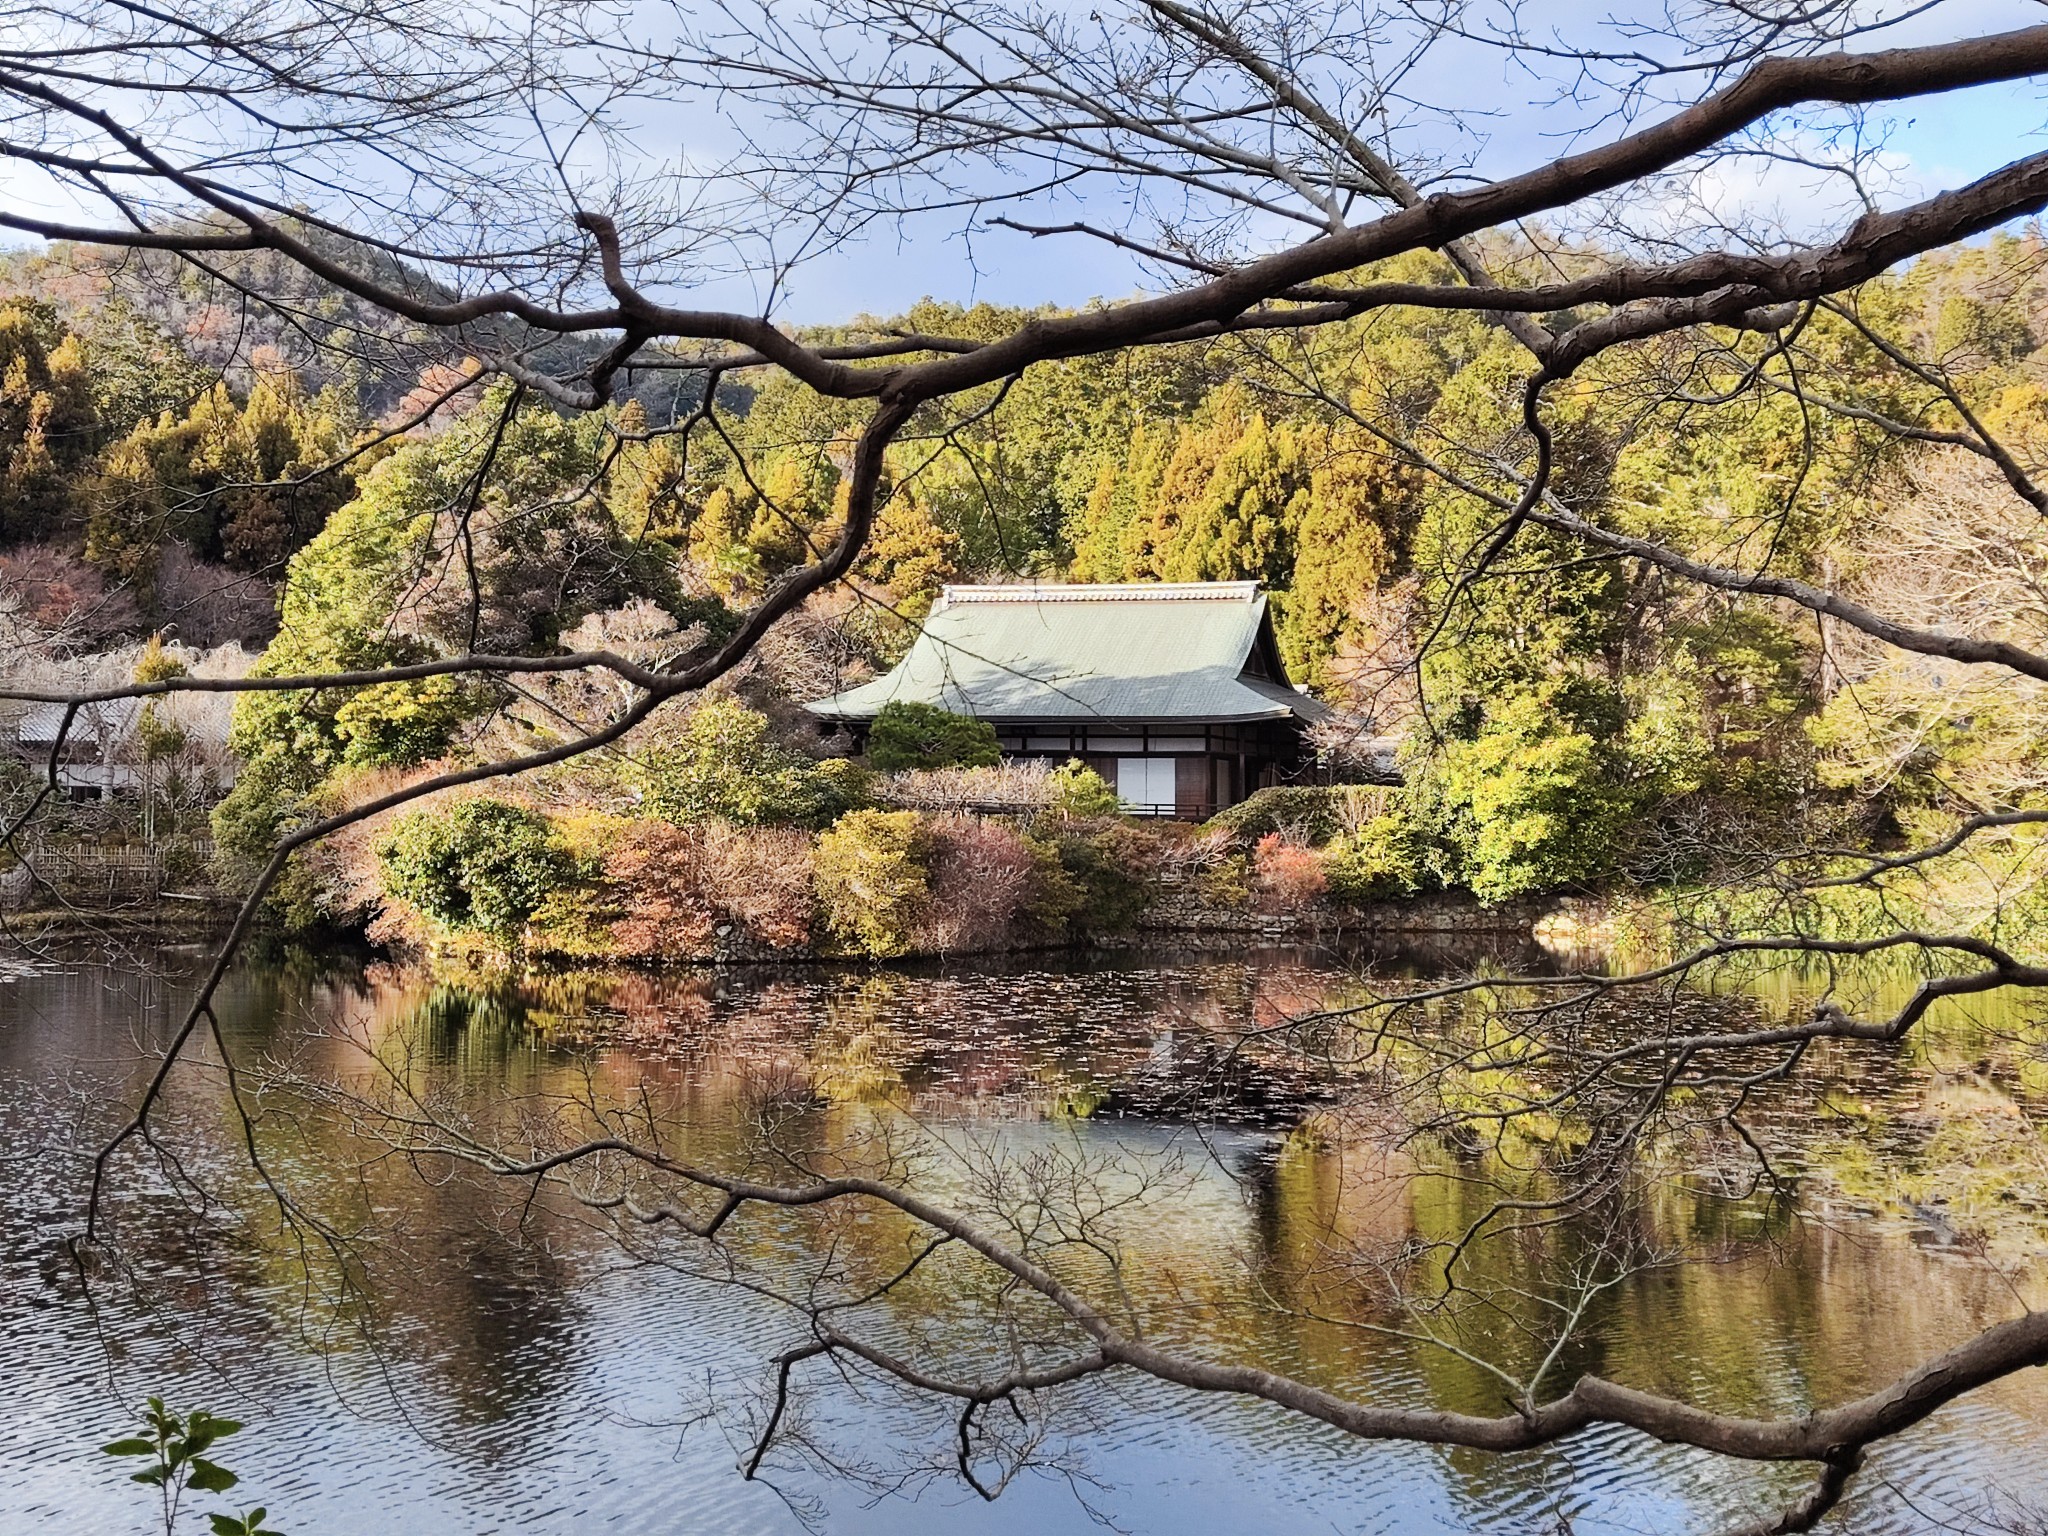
{"type": "Point", "coordinates": [110, 718]}
{"type": "Point", "coordinates": [1140, 652]}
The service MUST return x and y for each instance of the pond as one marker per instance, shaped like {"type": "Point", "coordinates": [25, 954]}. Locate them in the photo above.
{"type": "Point", "coordinates": [496, 1365]}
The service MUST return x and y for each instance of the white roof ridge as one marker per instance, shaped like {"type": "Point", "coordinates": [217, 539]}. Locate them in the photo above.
{"type": "Point", "coordinates": [1101, 591]}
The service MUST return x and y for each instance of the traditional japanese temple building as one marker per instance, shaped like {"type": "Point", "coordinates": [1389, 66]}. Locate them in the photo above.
{"type": "Point", "coordinates": [1174, 692]}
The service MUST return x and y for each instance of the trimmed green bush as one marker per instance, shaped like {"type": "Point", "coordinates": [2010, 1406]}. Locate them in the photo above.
{"type": "Point", "coordinates": [1078, 790]}
{"type": "Point", "coordinates": [483, 865]}
{"type": "Point", "coordinates": [1112, 877]}
{"type": "Point", "coordinates": [248, 823]}
{"type": "Point", "coordinates": [726, 766]}
{"type": "Point", "coordinates": [871, 881]}
{"type": "Point", "coordinates": [1054, 899]}
{"type": "Point", "coordinates": [1227, 882]}
{"type": "Point", "coordinates": [907, 736]}
{"type": "Point", "coordinates": [1387, 858]}
{"type": "Point", "coordinates": [1310, 810]}
{"type": "Point", "coordinates": [838, 785]}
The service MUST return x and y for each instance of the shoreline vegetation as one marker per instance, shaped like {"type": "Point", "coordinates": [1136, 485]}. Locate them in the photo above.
{"type": "Point", "coordinates": [907, 873]}
{"type": "Point", "coordinates": [724, 844]}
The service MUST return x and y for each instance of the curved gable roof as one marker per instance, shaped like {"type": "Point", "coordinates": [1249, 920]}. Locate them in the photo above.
{"type": "Point", "coordinates": [1139, 652]}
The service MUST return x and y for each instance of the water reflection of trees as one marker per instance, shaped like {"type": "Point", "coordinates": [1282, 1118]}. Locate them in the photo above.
{"type": "Point", "coordinates": [1308, 1238]}
{"type": "Point", "coordinates": [1285, 1248]}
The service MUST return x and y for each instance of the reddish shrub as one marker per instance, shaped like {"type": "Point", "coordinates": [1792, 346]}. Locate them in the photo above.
{"type": "Point", "coordinates": [211, 604]}
{"type": "Point", "coordinates": [983, 877]}
{"type": "Point", "coordinates": [657, 874]}
{"type": "Point", "coordinates": [674, 888]}
{"type": "Point", "coordinates": [760, 877]}
{"type": "Point", "coordinates": [1288, 875]}
{"type": "Point", "coordinates": [60, 593]}
{"type": "Point", "coordinates": [343, 879]}
{"type": "Point", "coordinates": [426, 397]}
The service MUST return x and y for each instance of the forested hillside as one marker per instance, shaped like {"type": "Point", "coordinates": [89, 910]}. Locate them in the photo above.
{"type": "Point", "coordinates": [170, 457]}
{"type": "Point", "coordinates": [1575, 718]}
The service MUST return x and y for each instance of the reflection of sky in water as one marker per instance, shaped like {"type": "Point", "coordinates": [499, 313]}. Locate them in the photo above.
{"type": "Point", "coordinates": [547, 1387]}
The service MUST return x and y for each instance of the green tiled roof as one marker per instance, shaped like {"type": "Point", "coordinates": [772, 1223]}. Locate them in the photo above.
{"type": "Point", "coordinates": [1159, 651]}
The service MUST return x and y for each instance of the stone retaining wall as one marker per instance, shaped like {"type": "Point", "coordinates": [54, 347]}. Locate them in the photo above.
{"type": "Point", "coordinates": [1187, 911]}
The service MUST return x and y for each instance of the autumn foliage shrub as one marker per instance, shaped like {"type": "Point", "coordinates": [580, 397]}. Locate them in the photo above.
{"type": "Point", "coordinates": [871, 883]}
{"type": "Point", "coordinates": [673, 888]}
{"type": "Point", "coordinates": [982, 878]}
{"type": "Point", "coordinates": [68, 600]}
{"type": "Point", "coordinates": [341, 879]}
{"type": "Point", "coordinates": [657, 887]}
{"type": "Point", "coordinates": [760, 878]}
{"type": "Point", "coordinates": [1287, 875]}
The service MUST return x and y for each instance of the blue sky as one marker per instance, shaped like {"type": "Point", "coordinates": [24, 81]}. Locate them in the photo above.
{"type": "Point", "coordinates": [1944, 141]}
{"type": "Point", "coordinates": [1932, 143]}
